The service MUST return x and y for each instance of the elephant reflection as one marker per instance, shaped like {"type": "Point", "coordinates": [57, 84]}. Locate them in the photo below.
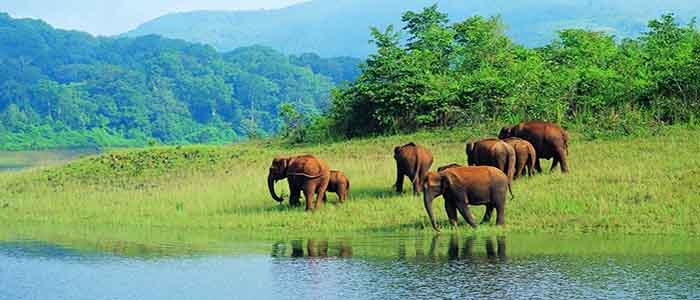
{"type": "Point", "coordinates": [312, 248]}
{"type": "Point", "coordinates": [494, 251]}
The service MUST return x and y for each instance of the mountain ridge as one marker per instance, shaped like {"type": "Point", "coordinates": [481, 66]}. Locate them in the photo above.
{"type": "Point", "coordinates": [340, 28]}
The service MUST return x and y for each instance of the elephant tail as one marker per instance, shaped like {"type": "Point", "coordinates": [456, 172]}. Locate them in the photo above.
{"type": "Point", "coordinates": [511, 164]}
{"type": "Point", "coordinates": [416, 172]}
{"type": "Point", "coordinates": [565, 136]}
{"type": "Point", "coordinates": [510, 189]}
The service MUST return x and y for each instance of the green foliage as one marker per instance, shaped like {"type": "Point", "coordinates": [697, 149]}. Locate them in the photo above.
{"type": "Point", "coordinates": [64, 89]}
{"type": "Point", "coordinates": [294, 124]}
{"type": "Point", "coordinates": [470, 72]}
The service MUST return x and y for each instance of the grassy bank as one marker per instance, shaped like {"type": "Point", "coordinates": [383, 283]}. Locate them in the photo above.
{"type": "Point", "coordinates": [641, 185]}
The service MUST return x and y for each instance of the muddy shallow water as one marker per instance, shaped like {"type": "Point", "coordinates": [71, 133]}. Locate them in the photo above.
{"type": "Point", "coordinates": [392, 267]}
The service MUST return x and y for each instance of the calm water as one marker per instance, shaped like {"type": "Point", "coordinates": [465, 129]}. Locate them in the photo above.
{"type": "Point", "coordinates": [513, 267]}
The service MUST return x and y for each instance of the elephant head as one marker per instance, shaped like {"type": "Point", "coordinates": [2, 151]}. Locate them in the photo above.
{"type": "Point", "coordinates": [278, 171]}
{"type": "Point", "coordinates": [470, 152]}
{"type": "Point", "coordinates": [434, 185]}
{"type": "Point", "coordinates": [506, 132]}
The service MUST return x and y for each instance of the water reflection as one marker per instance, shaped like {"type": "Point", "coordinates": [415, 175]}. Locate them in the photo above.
{"type": "Point", "coordinates": [424, 267]}
{"type": "Point", "coordinates": [457, 248]}
{"type": "Point", "coordinates": [311, 248]}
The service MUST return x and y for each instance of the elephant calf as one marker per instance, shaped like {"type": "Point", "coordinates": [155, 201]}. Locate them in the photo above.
{"type": "Point", "coordinates": [464, 186]}
{"type": "Point", "coordinates": [492, 152]}
{"type": "Point", "coordinates": [525, 156]}
{"type": "Point", "coordinates": [339, 184]}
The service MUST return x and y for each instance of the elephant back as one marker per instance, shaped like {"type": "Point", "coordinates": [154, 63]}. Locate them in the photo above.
{"type": "Point", "coordinates": [308, 165]}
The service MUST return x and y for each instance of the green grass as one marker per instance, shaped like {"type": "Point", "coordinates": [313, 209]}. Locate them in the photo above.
{"type": "Point", "coordinates": [642, 185]}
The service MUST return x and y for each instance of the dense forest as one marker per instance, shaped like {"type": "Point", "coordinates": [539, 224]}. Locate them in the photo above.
{"type": "Point", "coordinates": [435, 73]}
{"type": "Point", "coordinates": [70, 89]}
{"type": "Point", "coordinates": [339, 27]}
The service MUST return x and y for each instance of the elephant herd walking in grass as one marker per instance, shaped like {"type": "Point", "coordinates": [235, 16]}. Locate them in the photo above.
{"type": "Point", "coordinates": [493, 164]}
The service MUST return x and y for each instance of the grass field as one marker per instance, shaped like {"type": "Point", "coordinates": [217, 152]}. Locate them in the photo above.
{"type": "Point", "coordinates": [640, 185]}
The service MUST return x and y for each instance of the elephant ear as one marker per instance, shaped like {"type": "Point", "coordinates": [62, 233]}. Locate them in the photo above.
{"type": "Point", "coordinates": [470, 153]}
{"type": "Point", "coordinates": [446, 182]}
{"type": "Point", "coordinates": [281, 164]}
{"type": "Point", "coordinates": [397, 149]}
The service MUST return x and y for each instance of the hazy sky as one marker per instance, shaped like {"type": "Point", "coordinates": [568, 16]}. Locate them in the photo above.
{"type": "Point", "coordinates": [109, 17]}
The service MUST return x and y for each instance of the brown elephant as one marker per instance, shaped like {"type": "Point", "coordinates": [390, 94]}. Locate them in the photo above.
{"type": "Point", "coordinates": [492, 152]}
{"type": "Point", "coordinates": [339, 184]}
{"type": "Point", "coordinates": [550, 141]}
{"type": "Point", "coordinates": [525, 156]}
{"type": "Point", "coordinates": [303, 173]}
{"type": "Point", "coordinates": [464, 186]}
{"type": "Point", "coordinates": [414, 161]}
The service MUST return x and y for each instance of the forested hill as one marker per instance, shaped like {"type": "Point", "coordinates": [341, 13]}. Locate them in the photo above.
{"type": "Point", "coordinates": [70, 89]}
{"type": "Point", "coordinates": [340, 27]}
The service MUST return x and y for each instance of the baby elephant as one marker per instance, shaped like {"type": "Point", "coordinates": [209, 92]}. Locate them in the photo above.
{"type": "Point", "coordinates": [464, 186]}
{"type": "Point", "coordinates": [339, 184]}
{"type": "Point", "coordinates": [525, 156]}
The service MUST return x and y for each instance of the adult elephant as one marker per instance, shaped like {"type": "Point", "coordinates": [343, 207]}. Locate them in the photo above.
{"type": "Point", "coordinates": [525, 156]}
{"type": "Point", "coordinates": [464, 186]}
{"type": "Point", "coordinates": [303, 173]}
{"type": "Point", "coordinates": [550, 141]}
{"type": "Point", "coordinates": [413, 161]}
{"type": "Point", "coordinates": [492, 152]}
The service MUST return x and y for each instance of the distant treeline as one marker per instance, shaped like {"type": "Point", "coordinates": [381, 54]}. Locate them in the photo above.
{"type": "Point", "coordinates": [433, 74]}
{"type": "Point", "coordinates": [69, 89]}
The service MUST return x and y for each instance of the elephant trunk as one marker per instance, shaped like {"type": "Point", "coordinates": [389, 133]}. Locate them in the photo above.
{"type": "Point", "coordinates": [428, 202]}
{"type": "Point", "coordinates": [271, 186]}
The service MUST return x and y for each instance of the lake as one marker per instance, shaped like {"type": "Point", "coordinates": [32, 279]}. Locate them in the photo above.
{"type": "Point", "coordinates": [21, 160]}
{"type": "Point", "coordinates": [377, 267]}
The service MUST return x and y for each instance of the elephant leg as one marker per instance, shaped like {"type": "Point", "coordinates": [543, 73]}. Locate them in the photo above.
{"type": "Point", "coordinates": [520, 170]}
{"type": "Point", "coordinates": [320, 189]}
{"type": "Point", "coordinates": [501, 164]}
{"type": "Point", "coordinates": [399, 181]}
{"type": "Point", "coordinates": [501, 211]}
{"type": "Point", "coordinates": [487, 214]}
{"type": "Point", "coordinates": [466, 214]}
{"type": "Point", "coordinates": [530, 167]}
{"type": "Point", "coordinates": [309, 195]}
{"type": "Point", "coordinates": [555, 162]}
{"type": "Point", "coordinates": [451, 210]}
{"type": "Point", "coordinates": [416, 184]}
{"type": "Point", "coordinates": [295, 195]}
{"type": "Point", "coordinates": [563, 160]}
{"type": "Point", "coordinates": [538, 167]}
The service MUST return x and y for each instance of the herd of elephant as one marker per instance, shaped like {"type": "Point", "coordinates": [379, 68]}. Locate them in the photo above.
{"type": "Point", "coordinates": [492, 166]}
